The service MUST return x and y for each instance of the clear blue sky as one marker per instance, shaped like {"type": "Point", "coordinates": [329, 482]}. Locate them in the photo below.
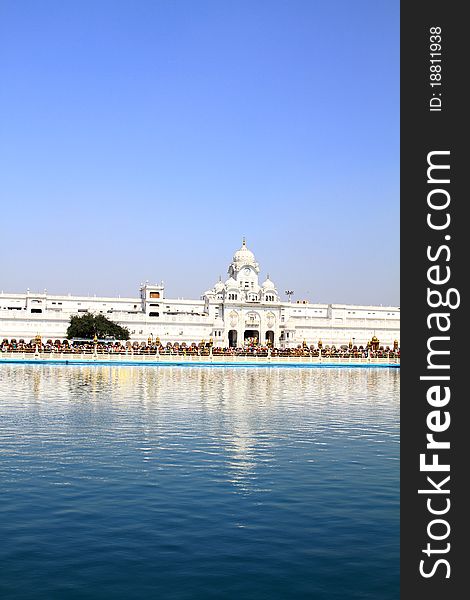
{"type": "Point", "coordinates": [141, 139]}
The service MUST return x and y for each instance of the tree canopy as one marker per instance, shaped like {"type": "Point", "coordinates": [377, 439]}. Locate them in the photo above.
{"type": "Point", "coordinates": [89, 325]}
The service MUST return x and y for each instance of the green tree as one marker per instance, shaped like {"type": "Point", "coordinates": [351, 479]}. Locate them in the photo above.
{"type": "Point", "coordinates": [89, 325]}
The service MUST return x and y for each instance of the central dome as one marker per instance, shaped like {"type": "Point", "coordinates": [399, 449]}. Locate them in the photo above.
{"type": "Point", "coordinates": [244, 255]}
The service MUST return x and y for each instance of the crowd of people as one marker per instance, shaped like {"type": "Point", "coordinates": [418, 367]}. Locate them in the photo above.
{"type": "Point", "coordinates": [371, 350]}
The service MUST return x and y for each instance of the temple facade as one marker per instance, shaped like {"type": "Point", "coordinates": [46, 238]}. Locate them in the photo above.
{"type": "Point", "coordinates": [235, 312]}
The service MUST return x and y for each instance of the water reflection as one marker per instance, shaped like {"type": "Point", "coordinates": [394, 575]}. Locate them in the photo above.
{"type": "Point", "coordinates": [178, 482]}
{"type": "Point", "coordinates": [237, 416]}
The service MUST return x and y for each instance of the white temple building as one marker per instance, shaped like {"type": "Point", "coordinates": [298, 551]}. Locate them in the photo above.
{"type": "Point", "coordinates": [232, 313]}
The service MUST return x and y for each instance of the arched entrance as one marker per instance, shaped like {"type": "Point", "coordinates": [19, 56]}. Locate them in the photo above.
{"type": "Point", "coordinates": [232, 338]}
{"type": "Point", "coordinates": [251, 337]}
{"type": "Point", "coordinates": [270, 337]}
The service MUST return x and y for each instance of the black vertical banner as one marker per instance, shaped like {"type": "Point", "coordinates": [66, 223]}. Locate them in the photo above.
{"type": "Point", "coordinates": [435, 263]}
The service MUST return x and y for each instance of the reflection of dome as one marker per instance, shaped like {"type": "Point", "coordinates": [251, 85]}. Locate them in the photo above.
{"type": "Point", "coordinates": [243, 255]}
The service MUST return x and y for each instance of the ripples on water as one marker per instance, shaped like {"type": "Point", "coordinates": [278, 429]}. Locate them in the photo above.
{"type": "Point", "coordinates": [187, 483]}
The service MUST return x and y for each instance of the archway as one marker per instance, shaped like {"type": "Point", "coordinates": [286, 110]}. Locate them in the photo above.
{"type": "Point", "coordinates": [270, 337]}
{"type": "Point", "coordinates": [232, 338]}
{"type": "Point", "coordinates": [251, 337]}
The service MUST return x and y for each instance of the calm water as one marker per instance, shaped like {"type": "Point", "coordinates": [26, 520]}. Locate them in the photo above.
{"type": "Point", "coordinates": [187, 483]}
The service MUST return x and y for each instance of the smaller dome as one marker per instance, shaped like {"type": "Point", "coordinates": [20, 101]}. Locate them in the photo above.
{"type": "Point", "coordinates": [219, 287]}
{"type": "Point", "coordinates": [268, 284]}
{"type": "Point", "coordinates": [231, 283]}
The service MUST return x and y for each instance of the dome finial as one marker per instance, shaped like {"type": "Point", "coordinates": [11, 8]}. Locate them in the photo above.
{"type": "Point", "coordinates": [244, 241]}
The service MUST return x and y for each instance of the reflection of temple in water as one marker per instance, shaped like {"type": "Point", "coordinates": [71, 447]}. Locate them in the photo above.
{"type": "Point", "coordinates": [237, 415]}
